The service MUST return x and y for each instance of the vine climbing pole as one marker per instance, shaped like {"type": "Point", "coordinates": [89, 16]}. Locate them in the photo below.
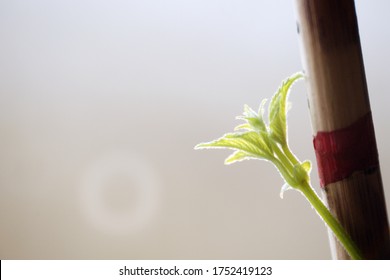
{"type": "Point", "coordinates": [344, 138]}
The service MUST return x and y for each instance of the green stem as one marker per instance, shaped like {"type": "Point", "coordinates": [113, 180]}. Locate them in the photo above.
{"type": "Point", "coordinates": [283, 171]}
{"type": "Point", "coordinates": [331, 221]}
{"type": "Point", "coordinates": [284, 165]}
{"type": "Point", "coordinates": [283, 159]}
{"type": "Point", "coordinates": [289, 154]}
{"type": "Point", "coordinates": [288, 160]}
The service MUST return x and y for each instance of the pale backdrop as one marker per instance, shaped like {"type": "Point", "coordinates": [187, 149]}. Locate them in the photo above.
{"type": "Point", "coordinates": [102, 102]}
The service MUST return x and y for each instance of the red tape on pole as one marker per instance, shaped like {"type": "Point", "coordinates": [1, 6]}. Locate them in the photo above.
{"type": "Point", "coordinates": [344, 151]}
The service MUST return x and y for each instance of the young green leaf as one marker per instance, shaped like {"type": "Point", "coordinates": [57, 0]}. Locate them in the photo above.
{"type": "Point", "coordinates": [237, 156]}
{"type": "Point", "coordinates": [254, 120]}
{"type": "Point", "coordinates": [277, 110]}
{"type": "Point", "coordinates": [259, 140]}
{"type": "Point", "coordinates": [251, 143]}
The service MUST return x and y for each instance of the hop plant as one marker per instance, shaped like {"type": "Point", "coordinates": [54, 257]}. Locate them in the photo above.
{"type": "Point", "coordinates": [255, 139]}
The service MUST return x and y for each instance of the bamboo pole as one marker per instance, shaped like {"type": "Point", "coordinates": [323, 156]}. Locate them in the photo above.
{"type": "Point", "coordinates": [338, 101]}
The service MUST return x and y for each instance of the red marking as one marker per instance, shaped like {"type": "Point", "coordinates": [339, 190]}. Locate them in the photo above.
{"type": "Point", "coordinates": [344, 151]}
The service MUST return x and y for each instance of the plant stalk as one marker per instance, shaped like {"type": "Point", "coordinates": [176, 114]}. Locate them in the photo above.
{"type": "Point", "coordinates": [332, 222]}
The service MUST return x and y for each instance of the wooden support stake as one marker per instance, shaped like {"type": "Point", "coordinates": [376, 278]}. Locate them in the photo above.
{"type": "Point", "coordinates": [338, 98]}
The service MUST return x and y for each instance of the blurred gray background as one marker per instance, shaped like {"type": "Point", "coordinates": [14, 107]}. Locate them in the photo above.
{"type": "Point", "coordinates": [102, 102]}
